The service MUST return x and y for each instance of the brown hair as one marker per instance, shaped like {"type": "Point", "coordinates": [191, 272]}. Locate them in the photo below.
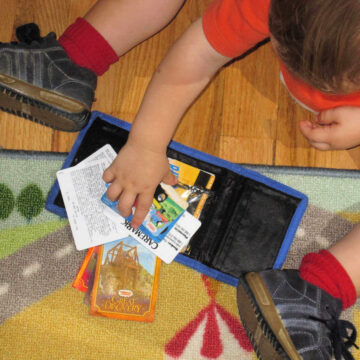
{"type": "Point", "coordinates": [319, 40]}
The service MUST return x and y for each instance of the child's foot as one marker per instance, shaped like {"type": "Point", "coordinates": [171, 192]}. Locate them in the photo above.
{"type": "Point", "coordinates": [39, 82]}
{"type": "Point", "coordinates": [288, 318]}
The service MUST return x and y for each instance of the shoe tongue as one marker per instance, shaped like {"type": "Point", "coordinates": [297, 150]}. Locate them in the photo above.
{"type": "Point", "coordinates": [28, 33]}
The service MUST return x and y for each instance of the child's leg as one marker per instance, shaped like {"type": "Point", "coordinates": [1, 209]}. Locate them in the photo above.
{"type": "Point", "coordinates": [347, 252]}
{"type": "Point", "coordinates": [57, 88]}
{"type": "Point", "coordinates": [126, 23]}
{"type": "Point", "coordinates": [336, 270]}
{"type": "Point", "coordinates": [112, 27]}
{"type": "Point", "coordinates": [291, 314]}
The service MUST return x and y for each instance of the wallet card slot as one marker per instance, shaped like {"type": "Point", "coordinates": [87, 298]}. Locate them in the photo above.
{"type": "Point", "coordinates": [206, 242]}
{"type": "Point", "coordinates": [235, 214]}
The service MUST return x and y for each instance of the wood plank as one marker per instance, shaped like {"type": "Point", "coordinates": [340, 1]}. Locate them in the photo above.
{"type": "Point", "coordinates": [250, 108]}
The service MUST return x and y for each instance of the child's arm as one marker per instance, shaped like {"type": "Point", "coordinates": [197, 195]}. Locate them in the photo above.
{"type": "Point", "coordinates": [142, 163]}
{"type": "Point", "coordinates": [335, 129]}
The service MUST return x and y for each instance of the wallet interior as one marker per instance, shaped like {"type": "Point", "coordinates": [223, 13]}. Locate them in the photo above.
{"type": "Point", "coordinates": [244, 221]}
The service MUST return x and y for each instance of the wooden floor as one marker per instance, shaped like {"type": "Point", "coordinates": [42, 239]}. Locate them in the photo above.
{"type": "Point", "coordinates": [245, 115]}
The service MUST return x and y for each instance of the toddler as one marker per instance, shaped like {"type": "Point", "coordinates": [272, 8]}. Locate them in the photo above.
{"type": "Point", "coordinates": [318, 44]}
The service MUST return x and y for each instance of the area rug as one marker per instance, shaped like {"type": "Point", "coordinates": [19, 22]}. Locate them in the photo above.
{"type": "Point", "coordinates": [43, 317]}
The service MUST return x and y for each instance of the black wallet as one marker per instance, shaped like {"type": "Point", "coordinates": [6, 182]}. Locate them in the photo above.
{"type": "Point", "coordinates": [247, 224]}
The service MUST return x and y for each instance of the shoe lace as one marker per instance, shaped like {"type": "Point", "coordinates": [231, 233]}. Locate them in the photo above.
{"type": "Point", "coordinates": [342, 334]}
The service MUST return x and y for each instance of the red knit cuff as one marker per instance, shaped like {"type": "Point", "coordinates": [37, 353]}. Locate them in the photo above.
{"type": "Point", "coordinates": [325, 271]}
{"type": "Point", "coordinates": [87, 47]}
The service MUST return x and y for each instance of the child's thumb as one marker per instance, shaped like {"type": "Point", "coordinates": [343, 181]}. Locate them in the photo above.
{"type": "Point", "coordinates": [170, 178]}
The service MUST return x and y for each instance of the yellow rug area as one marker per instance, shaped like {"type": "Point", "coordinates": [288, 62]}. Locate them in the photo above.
{"type": "Point", "coordinates": [59, 326]}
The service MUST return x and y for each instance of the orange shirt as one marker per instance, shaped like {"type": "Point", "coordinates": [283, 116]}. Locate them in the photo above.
{"type": "Point", "coordinates": [234, 26]}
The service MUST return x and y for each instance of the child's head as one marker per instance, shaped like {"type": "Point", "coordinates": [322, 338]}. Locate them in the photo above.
{"type": "Point", "coordinates": [319, 40]}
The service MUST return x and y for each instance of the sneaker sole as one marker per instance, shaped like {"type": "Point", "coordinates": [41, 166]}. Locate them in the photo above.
{"type": "Point", "coordinates": [262, 322]}
{"type": "Point", "coordinates": [41, 106]}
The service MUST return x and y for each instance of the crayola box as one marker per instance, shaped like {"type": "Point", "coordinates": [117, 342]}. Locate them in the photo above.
{"type": "Point", "coordinates": [193, 185]}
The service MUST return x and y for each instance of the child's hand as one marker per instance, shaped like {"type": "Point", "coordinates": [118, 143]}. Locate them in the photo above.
{"type": "Point", "coordinates": [335, 129]}
{"type": "Point", "coordinates": [134, 176]}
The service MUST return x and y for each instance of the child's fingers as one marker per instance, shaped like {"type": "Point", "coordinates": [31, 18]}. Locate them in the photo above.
{"type": "Point", "coordinates": [126, 202]}
{"type": "Point", "coordinates": [170, 178]}
{"type": "Point", "coordinates": [320, 145]}
{"type": "Point", "coordinates": [113, 192]}
{"type": "Point", "coordinates": [108, 175]}
{"type": "Point", "coordinates": [143, 203]}
{"type": "Point", "coordinates": [318, 136]}
{"type": "Point", "coordinates": [327, 117]}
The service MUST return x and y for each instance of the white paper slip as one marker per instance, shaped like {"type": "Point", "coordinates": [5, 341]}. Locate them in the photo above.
{"type": "Point", "coordinates": [167, 249]}
{"type": "Point", "coordinates": [106, 153]}
{"type": "Point", "coordinates": [81, 188]}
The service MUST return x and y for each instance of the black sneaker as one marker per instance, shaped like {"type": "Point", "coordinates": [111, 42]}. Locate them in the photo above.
{"type": "Point", "coordinates": [39, 82]}
{"type": "Point", "coordinates": [288, 318]}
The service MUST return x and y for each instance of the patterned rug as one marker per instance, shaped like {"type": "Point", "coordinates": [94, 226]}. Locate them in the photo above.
{"type": "Point", "coordinates": [43, 317]}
